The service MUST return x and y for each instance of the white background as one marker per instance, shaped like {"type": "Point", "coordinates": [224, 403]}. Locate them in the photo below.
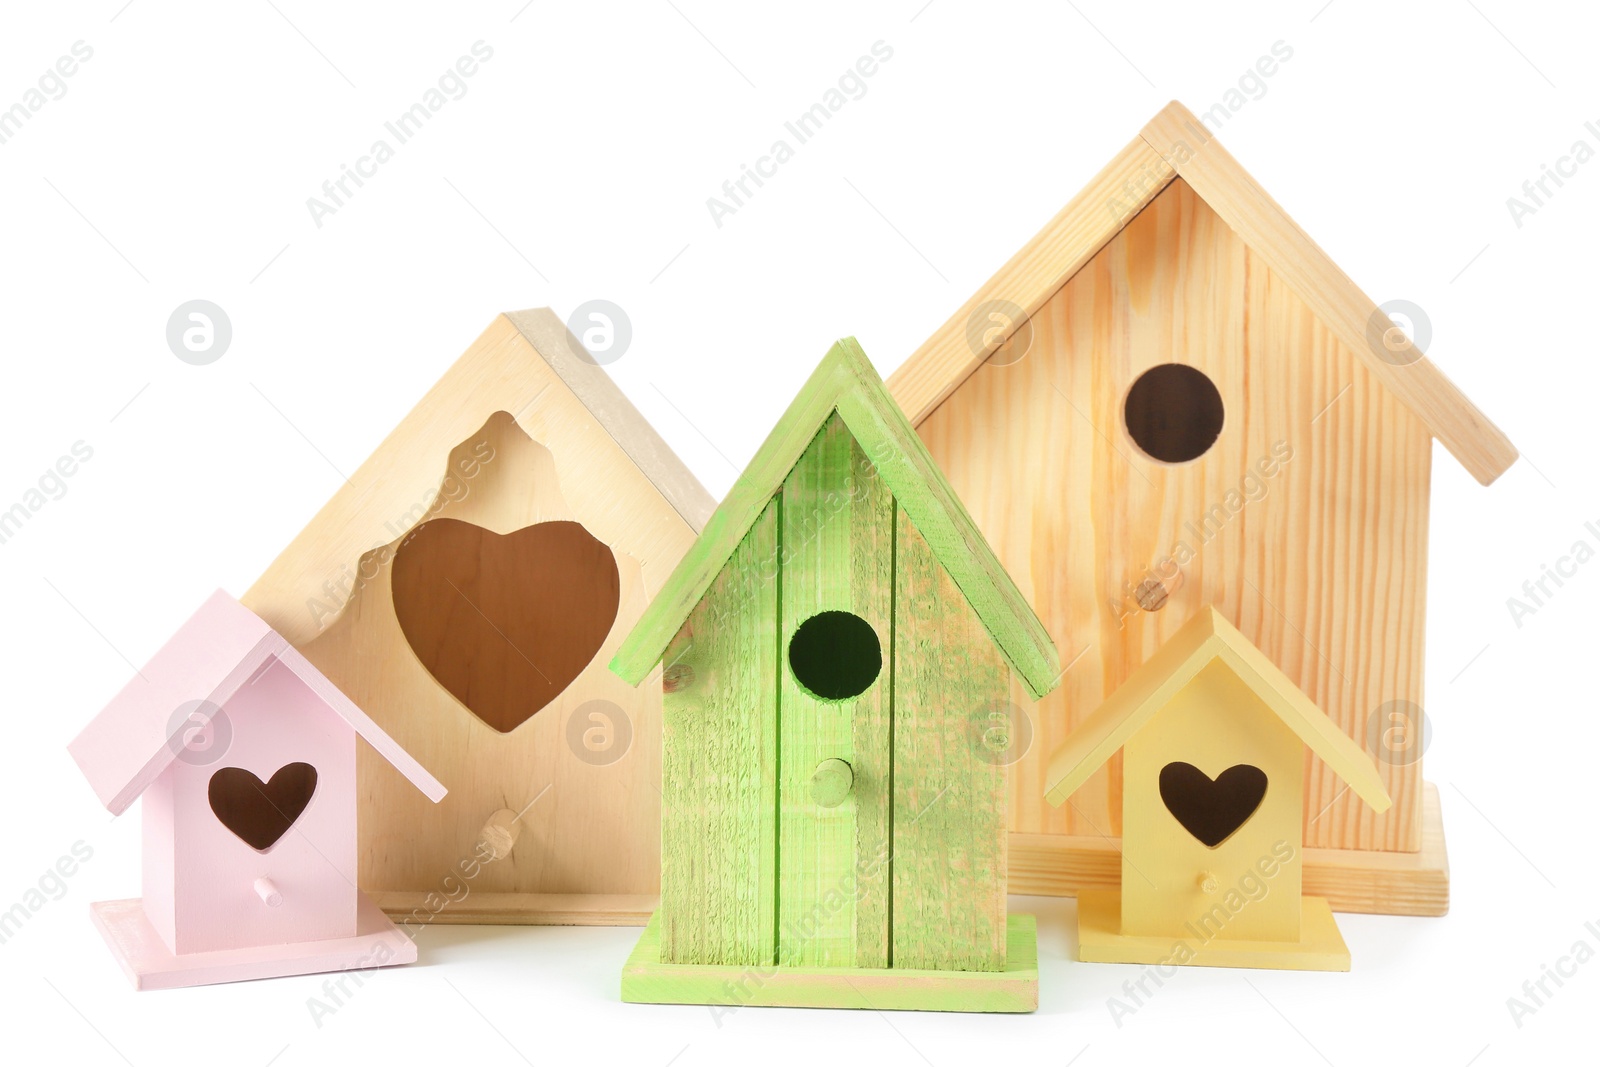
{"type": "Point", "coordinates": [178, 164]}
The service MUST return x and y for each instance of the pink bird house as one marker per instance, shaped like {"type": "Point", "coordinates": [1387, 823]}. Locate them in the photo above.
{"type": "Point", "coordinates": [245, 756]}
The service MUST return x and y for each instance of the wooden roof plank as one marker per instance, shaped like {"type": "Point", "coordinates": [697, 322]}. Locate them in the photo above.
{"type": "Point", "coordinates": [846, 382]}
{"type": "Point", "coordinates": [641, 650]}
{"type": "Point", "coordinates": [920, 488]}
{"type": "Point", "coordinates": [1124, 712]}
{"type": "Point", "coordinates": [508, 368]}
{"type": "Point", "coordinates": [1204, 639]}
{"type": "Point", "coordinates": [1043, 265]}
{"type": "Point", "coordinates": [597, 392]}
{"type": "Point", "coordinates": [1176, 144]}
{"type": "Point", "coordinates": [139, 734]}
{"type": "Point", "coordinates": [1201, 161]}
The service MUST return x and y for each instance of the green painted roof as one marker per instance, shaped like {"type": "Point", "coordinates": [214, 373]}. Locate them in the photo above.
{"type": "Point", "coordinates": [846, 382]}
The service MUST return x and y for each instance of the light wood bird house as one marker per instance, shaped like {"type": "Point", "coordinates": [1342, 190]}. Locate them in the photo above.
{"type": "Point", "coordinates": [1172, 399]}
{"type": "Point", "coordinates": [467, 587]}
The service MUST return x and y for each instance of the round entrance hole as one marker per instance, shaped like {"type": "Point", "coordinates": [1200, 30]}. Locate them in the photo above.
{"type": "Point", "coordinates": [1173, 412]}
{"type": "Point", "coordinates": [835, 655]}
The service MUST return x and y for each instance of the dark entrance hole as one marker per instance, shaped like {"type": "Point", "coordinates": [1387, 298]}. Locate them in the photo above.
{"type": "Point", "coordinates": [835, 655]}
{"type": "Point", "coordinates": [1212, 808]}
{"type": "Point", "coordinates": [258, 812]}
{"type": "Point", "coordinates": [1173, 412]}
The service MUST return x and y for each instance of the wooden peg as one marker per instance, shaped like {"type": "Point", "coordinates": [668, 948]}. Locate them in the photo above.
{"type": "Point", "coordinates": [499, 835]}
{"type": "Point", "coordinates": [268, 892]}
{"type": "Point", "coordinates": [831, 782]}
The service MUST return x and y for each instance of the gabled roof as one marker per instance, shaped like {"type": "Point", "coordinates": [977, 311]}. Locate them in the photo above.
{"type": "Point", "coordinates": [847, 383]}
{"type": "Point", "coordinates": [1175, 144]}
{"type": "Point", "coordinates": [550, 338]}
{"type": "Point", "coordinates": [516, 365]}
{"type": "Point", "coordinates": [212, 656]}
{"type": "Point", "coordinates": [1204, 639]}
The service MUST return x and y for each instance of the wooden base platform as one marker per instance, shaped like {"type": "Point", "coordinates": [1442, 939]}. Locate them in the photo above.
{"type": "Point", "coordinates": [412, 910]}
{"type": "Point", "coordinates": [1377, 883]}
{"type": "Point", "coordinates": [1100, 940]}
{"type": "Point", "coordinates": [148, 963]}
{"type": "Point", "coordinates": [646, 980]}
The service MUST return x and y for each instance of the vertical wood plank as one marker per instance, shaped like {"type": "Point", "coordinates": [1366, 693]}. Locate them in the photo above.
{"type": "Point", "coordinates": [836, 542]}
{"type": "Point", "coordinates": [949, 859]}
{"type": "Point", "coordinates": [719, 770]}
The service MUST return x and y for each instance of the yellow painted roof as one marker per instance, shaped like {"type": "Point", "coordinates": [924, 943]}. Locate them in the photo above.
{"type": "Point", "coordinates": [1202, 640]}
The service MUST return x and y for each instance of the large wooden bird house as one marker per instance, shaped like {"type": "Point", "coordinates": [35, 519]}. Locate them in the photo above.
{"type": "Point", "coordinates": [1213, 737]}
{"type": "Point", "coordinates": [1172, 399]}
{"type": "Point", "coordinates": [835, 653]}
{"type": "Point", "coordinates": [467, 586]}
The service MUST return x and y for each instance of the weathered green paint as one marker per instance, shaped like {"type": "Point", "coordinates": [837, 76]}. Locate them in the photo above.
{"type": "Point", "coordinates": [949, 785]}
{"type": "Point", "coordinates": [837, 548]}
{"type": "Point", "coordinates": [647, 980]}
{"type": "Point", "coordinates": [846, 382]}
{"type": "Point", "coordinates": [719, 765]}
{"type": "Point", "coordinates": [831, 847]}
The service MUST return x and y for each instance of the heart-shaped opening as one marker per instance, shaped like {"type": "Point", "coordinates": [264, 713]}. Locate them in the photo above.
{"type": "Point", "coordinates": [505, 622]}
{"type": "Point", "coordinates": [1210, 809]}
{"type": "Point", "coordinates": [259, 814]}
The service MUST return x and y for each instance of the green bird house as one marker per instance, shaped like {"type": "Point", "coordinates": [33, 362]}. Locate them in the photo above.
{"type": "Point", "coordinates": [836, 651]}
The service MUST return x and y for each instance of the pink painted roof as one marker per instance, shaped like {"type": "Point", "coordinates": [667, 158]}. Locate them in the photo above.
{"type": "Point", "coordinates": [217, 651]}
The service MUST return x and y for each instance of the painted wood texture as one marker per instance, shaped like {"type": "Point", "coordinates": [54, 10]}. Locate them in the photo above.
{"type": "Point", "coordinates": [234, 856]}
{"type": "Point", "coordinates": [1322, 564]}
{"type": "Point", "coordinates": [846, 382]}
{"type": "Point", "coordinates": [908, 869]}
{"type": "Point", "coordinates": [149, 964]}
{"type": "Point", "coordinates": [275, 721]}
{"type": "Point", "coordinates": [1375, 883]}
{"type": "Point", "coordinates": [134, 739]}
{"type": "Point", "coordinates": [647, 979]}
{"type": "Point", "coordinates": [719, 887]}
{"type": "Point", "coordinates": [837, 536]}
{"type": "Point", "coordinates": [1215, 722]}
{"type": "Point", "coordinates": [565, 446]}
{"type": "Point", "coordinates": [217, 651]}
{"type": "Point", "coordinates": [1320, 946]}
{"type": "Point", "coordinates": [1165, 677]}
{"type": "Point", "coordinates": [949, 858]}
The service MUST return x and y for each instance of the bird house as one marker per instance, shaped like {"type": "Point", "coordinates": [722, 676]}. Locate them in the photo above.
{"type": "Point", "coordinates": [1213, 738]}
{"type": "Point", "coordinates": [245, 756]}
{"type": "Point", "coordinates": [1171, 399]}
{"type": "Point", "coordinates": [467, 585]}
{"type": "Point", "coordinates": [835, 653]}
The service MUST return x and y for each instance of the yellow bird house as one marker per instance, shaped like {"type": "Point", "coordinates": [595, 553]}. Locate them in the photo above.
{"type": "Point", "coordinates": [1213, 736]}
